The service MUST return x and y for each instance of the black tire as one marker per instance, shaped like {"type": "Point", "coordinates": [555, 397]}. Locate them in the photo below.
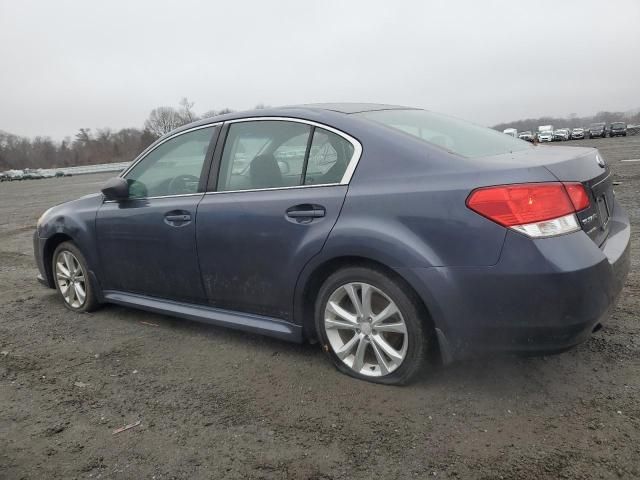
{"type": "Point", "coordinates": [419, 335]}
{"type": "Point", "coordinates": [90, 302]}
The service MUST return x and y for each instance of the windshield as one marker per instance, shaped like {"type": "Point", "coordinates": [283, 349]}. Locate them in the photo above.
{"type": "Point", "coordinates": [456, 136]}
{"type": "Point", "coordinates": [597, 125]}
{"type": "Point", "coordinates": [617, 125]}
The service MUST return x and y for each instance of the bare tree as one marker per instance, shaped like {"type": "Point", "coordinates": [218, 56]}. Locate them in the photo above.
{"type": "Point", "coordinates": [186, 113]}
{"type": "Point", "coordinates": [162, 120]}
{"type": "Point", "coordinates": [213, 113]}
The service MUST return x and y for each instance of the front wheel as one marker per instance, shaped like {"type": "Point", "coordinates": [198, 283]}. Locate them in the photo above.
{"type": "Point", "coordinates": [370, 327]}
{"type": "Point", "coordinates": [71, 275]}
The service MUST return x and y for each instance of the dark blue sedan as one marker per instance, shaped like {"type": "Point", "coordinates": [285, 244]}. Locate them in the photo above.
{"type": "Point", "coordinates": [390, 235]}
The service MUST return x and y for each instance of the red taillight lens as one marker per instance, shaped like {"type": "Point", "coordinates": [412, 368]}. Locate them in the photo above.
{"type": "Point", "coordinates": [578, 195]}
{"type": "Point", "coordinates": [522, 204]}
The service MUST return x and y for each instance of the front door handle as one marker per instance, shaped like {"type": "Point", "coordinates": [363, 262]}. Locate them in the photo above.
{"type": "Point", "coordinates": [177, 218]}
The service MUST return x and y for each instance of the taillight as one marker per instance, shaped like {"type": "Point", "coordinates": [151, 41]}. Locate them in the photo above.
{"type": "Point", "coordinates": [578, 195]}
{"type": "Point", "coordinates": [535, 209]}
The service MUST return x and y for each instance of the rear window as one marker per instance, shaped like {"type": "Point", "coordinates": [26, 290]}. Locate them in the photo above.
{"type": "Point", "coordinates": [456, 136]}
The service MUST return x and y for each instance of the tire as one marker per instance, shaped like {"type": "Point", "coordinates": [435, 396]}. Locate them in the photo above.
{"type": "Point", "coordinates": [405, 331]}
{"type": "Point", "coordinates": [65, 258]}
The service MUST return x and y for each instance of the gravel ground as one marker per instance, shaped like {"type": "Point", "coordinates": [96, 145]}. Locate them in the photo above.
{"type": "Point", "coordinates": [214, 403]}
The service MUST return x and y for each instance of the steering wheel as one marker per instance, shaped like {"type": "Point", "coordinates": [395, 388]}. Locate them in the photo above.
{"type": "Point", "coordinates": [183, 184]}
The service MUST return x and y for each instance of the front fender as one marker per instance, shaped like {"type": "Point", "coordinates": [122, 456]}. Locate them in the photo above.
{"type": "Point", "coordinates": [75, 220]}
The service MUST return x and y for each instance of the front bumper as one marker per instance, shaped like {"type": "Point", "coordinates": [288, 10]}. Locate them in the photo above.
{"type": "Point", "coordinates": [38, 251]}
{"type": "Point", "coordinates": [542, 296]}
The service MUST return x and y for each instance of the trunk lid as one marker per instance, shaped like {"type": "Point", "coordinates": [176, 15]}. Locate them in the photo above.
{"type": "Point", "coordinates": [588, 167]}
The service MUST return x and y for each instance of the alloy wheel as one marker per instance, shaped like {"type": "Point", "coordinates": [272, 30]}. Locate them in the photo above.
{"type": "Point", "coordinates": [71, 279]}
{"type": "Point", "coordinates": [365, 329]}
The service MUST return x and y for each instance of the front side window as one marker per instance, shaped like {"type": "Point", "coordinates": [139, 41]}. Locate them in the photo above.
{"type": "Point", "coordinates": [457, 136]}
{"type": "Point", "coordinates": [173, 168]}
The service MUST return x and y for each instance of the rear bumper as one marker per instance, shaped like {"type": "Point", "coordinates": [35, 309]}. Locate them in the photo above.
{"type": "Point", "coordinates": [542, 296]}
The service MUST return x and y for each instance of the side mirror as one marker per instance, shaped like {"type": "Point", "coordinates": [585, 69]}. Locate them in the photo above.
{"type": "Point", "coordinates": [116, 188]}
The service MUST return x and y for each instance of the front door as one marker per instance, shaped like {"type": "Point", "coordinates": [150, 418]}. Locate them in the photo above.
{"type": "Point", "coordinates": [147, 243]}
{"type": "Point", "coordinates": [279, 191]}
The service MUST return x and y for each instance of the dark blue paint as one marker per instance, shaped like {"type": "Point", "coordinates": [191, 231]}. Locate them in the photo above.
{"type": "Point", "coordinates": [241, 261]}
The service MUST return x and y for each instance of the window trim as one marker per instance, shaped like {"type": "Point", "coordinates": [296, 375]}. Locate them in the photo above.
{"type": "Point", "coordinates": [206, 167]}
{"type": "Point", "coordinates": [212, 184]}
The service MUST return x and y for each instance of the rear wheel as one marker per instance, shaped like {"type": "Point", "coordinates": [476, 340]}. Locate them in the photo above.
{"type": "Point", "coordinates": [369, 327]}
{"type": "Point", "coordinates": [72, 279]}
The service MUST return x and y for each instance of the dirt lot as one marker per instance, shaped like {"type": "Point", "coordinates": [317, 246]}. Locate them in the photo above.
{"type": "Point", "coordinates": [215, 403]}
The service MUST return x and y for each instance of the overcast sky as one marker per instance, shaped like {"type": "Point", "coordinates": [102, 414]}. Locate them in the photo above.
{"type": "Point", "coordinates": [72, 64]}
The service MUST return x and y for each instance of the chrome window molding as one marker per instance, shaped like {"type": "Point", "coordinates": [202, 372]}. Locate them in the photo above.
{"type": "Point", "coordinates": [346, 178]}
{"type": "Point", "coordinates": [159, 196]}
{"type": "Point", "coordinates": [293, 187]}
{"type": "Point", "coordinates": [351, 166]}
{"type": "Point", "coordinates": [151, 148]}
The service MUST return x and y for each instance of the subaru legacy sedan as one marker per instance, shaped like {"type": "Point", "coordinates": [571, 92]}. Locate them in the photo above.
{"type": "Point", "coordinates": [394, 237]}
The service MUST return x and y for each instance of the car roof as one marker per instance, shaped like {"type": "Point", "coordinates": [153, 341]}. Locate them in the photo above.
{"type": "Point", "coordinates": [310, 111]}
{"type": "Point", "coordinates": [347, 107]}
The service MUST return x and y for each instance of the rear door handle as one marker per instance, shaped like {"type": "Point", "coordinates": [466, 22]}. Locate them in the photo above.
{"type": "Point", "coordinates": [306, 211]}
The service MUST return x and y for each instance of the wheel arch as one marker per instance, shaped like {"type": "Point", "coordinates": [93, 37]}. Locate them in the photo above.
{"type": "Point", "coordinates": [305, 298]}
{"type": "Point", "coordinates": [47, 253]}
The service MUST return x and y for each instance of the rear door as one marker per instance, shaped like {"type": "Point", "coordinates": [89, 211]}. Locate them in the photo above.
{"type": "Point", "coordinates": [277, 194]}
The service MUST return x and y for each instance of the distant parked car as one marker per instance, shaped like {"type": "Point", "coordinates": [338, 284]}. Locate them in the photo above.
{"type": "Point", "coordinates": [32, 176]}
{"type": "Point", "coordinates": [618, 129]}
{"type": "Point", "coordinates": [561, 134]}
{"type": "Point", "coordinates": [512, 132]}
{"type": "Point", "coordinates": [545, 136]}
{"type": "Point", "coordinates": [577, 134]}
{"type": "Point", "coordinates": [14, 175]}
{"type": "Point", "coordinates": [598, 130]}
{"type": "Point", "coordinates": [528, 136]}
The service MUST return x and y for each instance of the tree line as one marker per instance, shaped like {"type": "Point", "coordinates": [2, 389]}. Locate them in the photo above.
{"type": "Point", "coordinates": [105, 145]}
{"type": "Point", "coordinates": [572, 121]}
{"type": "Point", "coordinates": [89, 147]}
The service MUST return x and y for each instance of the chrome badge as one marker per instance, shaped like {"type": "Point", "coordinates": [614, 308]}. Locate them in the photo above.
{"type": "Point", "coordinates": [600, 161]}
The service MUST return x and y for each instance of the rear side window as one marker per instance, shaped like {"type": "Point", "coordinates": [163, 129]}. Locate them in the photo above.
{"type": "Point", "coordinates": [263, 154]}
{"type": "Point", "coordinates": [277, 153]}
{"type": "Point", "coordinates": [457, 136]}
{"type": "Point", "coordinates": [329, 157]}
